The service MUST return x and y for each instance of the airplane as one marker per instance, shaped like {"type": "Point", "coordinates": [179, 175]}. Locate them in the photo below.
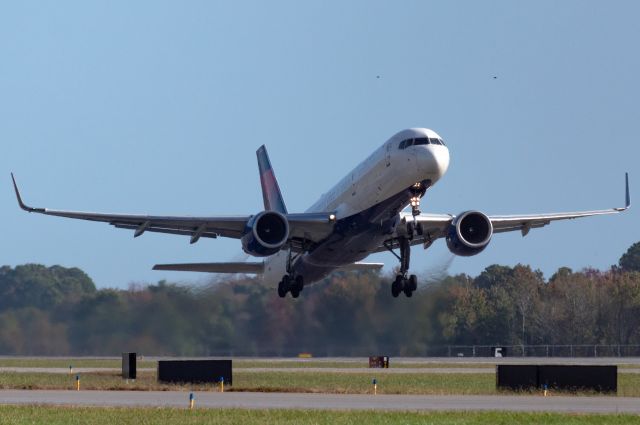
{"type": "Point", "coordinates": [362, 214]}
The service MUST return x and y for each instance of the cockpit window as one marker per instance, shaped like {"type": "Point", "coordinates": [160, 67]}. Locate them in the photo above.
{"type": "Point", "coordinates": [420, 141]}
{"type": "Point", "coordinates": [405, 143]}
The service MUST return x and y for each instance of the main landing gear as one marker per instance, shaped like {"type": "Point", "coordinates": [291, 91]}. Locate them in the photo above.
{"type": "Point", "coordinates": [403, 282]}
{"type": "Point", "coordinates": [290, 284]}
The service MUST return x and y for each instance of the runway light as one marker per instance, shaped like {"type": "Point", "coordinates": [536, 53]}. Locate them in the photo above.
{"type": "Point", "coordinates": [70, 369]}
{"type": "Point", "coordinates": [545, 390]}
{"type": "Point", "coordinates": [192, 400]}
{"type": "Point", "coordinates": [77, 382]}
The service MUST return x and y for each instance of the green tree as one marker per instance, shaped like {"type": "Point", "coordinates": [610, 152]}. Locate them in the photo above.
{"type": "Point", "coordinates": [630, 260]}
{"type": "Point", "coordinates": [43, 287]}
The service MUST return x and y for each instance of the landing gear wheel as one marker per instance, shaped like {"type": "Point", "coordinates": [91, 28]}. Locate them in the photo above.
{"type": "Point", "coordinates": [397, 286]}
{"type": "Point", "coordinates": [413, 282]}
{"type": "Point", "coordinates": [408, 292]}
{"type": "Point", "coordinates": [295, 293]}
{"type": "Point", "coordinates": [284, 286]}
{"type": "Point", "coordinates": [281, 291]}
{"type": "Point", "coordinates": [394, 291]}
{"type": "Point", "coordinates": [299, 284]}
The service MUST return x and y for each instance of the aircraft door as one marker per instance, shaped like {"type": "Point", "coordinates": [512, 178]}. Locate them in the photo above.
{"type": "Point", "coordinates": [388, 154]}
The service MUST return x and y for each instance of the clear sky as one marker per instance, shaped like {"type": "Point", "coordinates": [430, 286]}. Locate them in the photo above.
{"type": "Point", "coordinates": [158, 107]}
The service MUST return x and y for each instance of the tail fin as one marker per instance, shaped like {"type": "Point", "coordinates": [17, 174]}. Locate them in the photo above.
{"type": "Point", "coordinates": [270, 190]}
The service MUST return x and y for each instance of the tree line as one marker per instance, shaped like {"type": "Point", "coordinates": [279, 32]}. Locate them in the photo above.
{"type": "Point", "coordinates": [59, 311]}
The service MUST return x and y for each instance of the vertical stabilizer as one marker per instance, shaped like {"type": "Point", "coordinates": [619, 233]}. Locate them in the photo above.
{"type": "Point", "coordinates": [270, 190]}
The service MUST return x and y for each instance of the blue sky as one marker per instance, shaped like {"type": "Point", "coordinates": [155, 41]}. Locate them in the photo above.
{"type": "Point", "coordinates": [158, 107]}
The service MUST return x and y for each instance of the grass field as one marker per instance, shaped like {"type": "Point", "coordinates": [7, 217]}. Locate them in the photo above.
{"type": "Point", "coordinates": [19, 415]}
{"type": "Point", "coordinates": [352, 383]}
{"type": "Point", "coordinates": [65, 362]}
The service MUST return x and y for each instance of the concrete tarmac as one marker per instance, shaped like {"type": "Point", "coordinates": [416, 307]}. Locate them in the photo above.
{"type": "Point", "coordinates": [248, 400]}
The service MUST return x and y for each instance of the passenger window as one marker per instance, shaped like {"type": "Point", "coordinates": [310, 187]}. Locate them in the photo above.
{"type": "Point", "coordinates": [421, 141]}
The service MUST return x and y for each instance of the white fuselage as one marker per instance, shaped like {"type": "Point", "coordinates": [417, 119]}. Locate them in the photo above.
{"type": "Point", "coordinates": [386, 173]}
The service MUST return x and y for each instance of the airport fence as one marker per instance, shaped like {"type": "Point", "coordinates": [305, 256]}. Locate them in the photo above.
{"type": "Point", "coordinates": [566, 350]}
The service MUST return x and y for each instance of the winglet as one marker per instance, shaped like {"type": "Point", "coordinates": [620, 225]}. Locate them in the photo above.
{"type": "Point", "coordinates": [627, 198]}
{"type": "Point", "coordinates": [22, 204]}
{"type": "Point", "coordinates": [626, 183]}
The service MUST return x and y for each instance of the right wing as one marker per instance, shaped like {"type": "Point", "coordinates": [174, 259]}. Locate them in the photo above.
{"type": "Point", "coordinates": [304, 229]}
{"type": "Point", "coordinates": [435, 226]}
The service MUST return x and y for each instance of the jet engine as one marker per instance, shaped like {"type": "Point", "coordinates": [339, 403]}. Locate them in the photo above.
{"type": "Point", "coordinates": [469, 233]}
{"type": "Point", "coordinates": [265, 234]}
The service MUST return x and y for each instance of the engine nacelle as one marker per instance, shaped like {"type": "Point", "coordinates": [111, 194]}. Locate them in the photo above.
{"type": "Point", "coordinates": [469, 233]}
{"type": "Point", "coordinates": [265, 234]}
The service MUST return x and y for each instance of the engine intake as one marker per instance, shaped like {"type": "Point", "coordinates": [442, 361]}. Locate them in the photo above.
{"type": "Point", "coordinates": [469, 233]}
{"type": "Point", "coordinates": [265, 234]}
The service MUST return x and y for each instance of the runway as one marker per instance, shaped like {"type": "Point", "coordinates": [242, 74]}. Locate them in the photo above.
{"type": "Point", "coordinates": [248, 400]}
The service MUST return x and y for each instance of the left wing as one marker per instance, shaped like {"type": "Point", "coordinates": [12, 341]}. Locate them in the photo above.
{"type": "Point", "coordinates": [434, 226]}
{"type": "Point", "coordinates": [304, 228]}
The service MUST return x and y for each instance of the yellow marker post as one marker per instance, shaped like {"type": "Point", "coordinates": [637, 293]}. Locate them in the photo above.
{"type": "Point", "coordinates": [545, 390]}
{"type": "Point", "coordinates": [222, 384]}
{"type": "Point", "coordinates": [70, 370]}
{"type": "Point", "coordinates": [375, 386]}
{"type": "Point", "coordinates": [77, 382]}
{"type": "Point", "coordinates": [192, 400]}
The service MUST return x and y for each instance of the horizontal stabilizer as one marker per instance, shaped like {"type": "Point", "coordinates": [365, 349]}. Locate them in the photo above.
{"type": "Point", "coordinates": [251, 268]}
{"type": "Point", "coordinates": [362, 266]}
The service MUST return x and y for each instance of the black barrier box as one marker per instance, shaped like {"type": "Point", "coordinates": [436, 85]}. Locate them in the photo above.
{"type": "Point", "coordinates": [565, 377]}
{"type": "Point", "coordinates": [195, 371]}
{"type": "Point", "coordinates": [574, 377]}
{"type": "Point", "coordinates": [381, 362]}
{"type": "Point", "coordinates": [516, 377]}
{"type": "Point", "coordinates": [128, 365]}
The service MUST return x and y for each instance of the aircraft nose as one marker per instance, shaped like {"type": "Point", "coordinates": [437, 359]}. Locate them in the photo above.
{"type": "Point", "coordinates": [441, 155]}
{"type": "Point", "coordinates": [435, 162]}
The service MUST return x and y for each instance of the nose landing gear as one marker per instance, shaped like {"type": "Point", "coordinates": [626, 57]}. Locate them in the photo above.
{"type": "Point", "coordinates": [417, 191]}
{"type": "Point", "coordinates": [415, 206]}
